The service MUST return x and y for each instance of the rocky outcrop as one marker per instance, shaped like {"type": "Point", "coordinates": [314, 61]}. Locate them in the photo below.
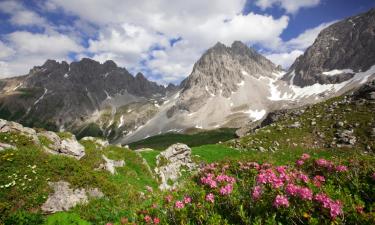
{"type": "Point", "coordinates": [68, 146]}
{"type": "Point", "coordinates": [219, 72]}
{"type": "Point", "coordinates": [345, 138]}
{"type": "Point", "coordinates": [170, 162]}
{"type": "Point", "coordinates": [54, 144]}
{"type": "Point", "coordinates": [64, 198]}
{"type": "Point", "coordinates": [340, 50]}
{"type": "Point", "coordinates": [13, 127]}
{"type": "Point", "coordinates": [110, 165]}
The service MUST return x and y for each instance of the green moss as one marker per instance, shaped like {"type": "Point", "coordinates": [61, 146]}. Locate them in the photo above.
{"type": "Point", "coordinates": [45, 141]}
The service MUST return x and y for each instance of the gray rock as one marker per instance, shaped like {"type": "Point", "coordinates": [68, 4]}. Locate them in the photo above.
{"type": "Point", "coordinates": [347, 44]}
{"type": "Point", "coordinates": [69, 147]}
{"type": "Point", "coordinates": [296, 124]}
{"type": "Point", "coordinates": [9, 126]}
{"type": "Point", "coordinates": [170, 162]}
{"type": "Point", "coordinates": [64, 198]}
{"type": "Point", "coordinates": [4, 146]}
{"type": "Point", "coordinates": [346, 137]}
{"type": "Point", "coordinates": [110, 165]}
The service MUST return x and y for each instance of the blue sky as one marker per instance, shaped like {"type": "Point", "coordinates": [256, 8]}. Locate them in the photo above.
{"type": "Point", "coordinates": [160, 38]}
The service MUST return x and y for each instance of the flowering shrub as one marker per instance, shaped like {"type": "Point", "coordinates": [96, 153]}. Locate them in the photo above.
{"type": "Point", "coordinates": [312, 192]}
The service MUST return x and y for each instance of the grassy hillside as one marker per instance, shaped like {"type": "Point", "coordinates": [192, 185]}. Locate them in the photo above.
{"type": "Point", "coordinates": [162, 141]}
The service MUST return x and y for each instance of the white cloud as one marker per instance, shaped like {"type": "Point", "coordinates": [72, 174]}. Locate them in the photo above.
{"type": "Point", "coordinates": [29, 49]}
{"type": "Point", "coordinates": [290, 6]}
{"type": "Point", "coordinates": [284, 59]}
{"type": "Point", "coordinates": [21, 16]}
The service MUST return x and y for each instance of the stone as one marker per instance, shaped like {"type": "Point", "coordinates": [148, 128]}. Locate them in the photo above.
{"type": "Point", "coordinates": [170, 163]}
{"type": "Point", "coordinates": [69, 147]}
{"type": "Point", "coordinates": [110, 165]}
{"type": "Point", "coordinates": [346, 137]}
{"type": "Point", "coordinates": [295, 125]}
{"type": "Point", "coordinates": [64, 198]}
{"type": "Point", "coordinates": [4, 146]}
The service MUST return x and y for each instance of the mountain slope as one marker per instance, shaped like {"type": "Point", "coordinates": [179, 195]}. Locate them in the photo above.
{"type": "Point", "coordinates": [59, 95]}
{"type": "Point", "coordinates": [341, 50]}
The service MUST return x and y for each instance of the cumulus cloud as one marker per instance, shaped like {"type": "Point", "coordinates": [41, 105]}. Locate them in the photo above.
{"type": "Point", "coordinates": [28, 49]}
{"type": "Point", "coordinates": [290, 6]}
{"type": "Point", "coordinates": [137, 34]}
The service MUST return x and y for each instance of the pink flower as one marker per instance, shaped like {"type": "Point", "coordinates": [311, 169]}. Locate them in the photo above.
{"type": "Point", "coordinates": [373, 176]}
{"type": "Point", "coordinates": [305, 156]}
{"type": "Point", "coordinates": [281, 169]}
{"type": "Point", "coordinates": [318, 180]}
{"type": "Point", "coordinates": [341, 168]}
{"type": "Point", "coordinates": [226, 190]}
{"type": "Point", "coordinates": [303, 177]}
{"type": "Point", "coordinates": [334, 207]}
{"type": "Point", "coordinates": [291, 190]}
{"type": "Point", "coordinates": [300, 162]}
{"type": "Point", "coordinates": [156, 220]}
{"type": "Point", "coordinates": [148, 219]}
{"type": "Point", "coordinates": [169, 198]}
{"type": "Point", "coordinates": [210, 198]}
{"type": "Point", "coordinates": [324, 163]}
{"type": "Point", "coordinates": [257, 192]}
{"type": "Point", "coordinates": [187, 200]}
{"type": "Point", "coordinates": [305, 193]}
{"type": "Point", "coordinates": [281, 201]}
{"type": "Point", "coordinates": [109, 224]}
{"type": "Point", "coordinates": [179, 205]}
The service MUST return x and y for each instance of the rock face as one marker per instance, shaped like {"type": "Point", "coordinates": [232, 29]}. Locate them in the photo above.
{"type": "Point", "coordinates": [69, 146]}
{"type": "Point", "coordinates": [110, 165]}
{"type": "Point", "coordinates": [346, 137]}
{"type": "Point", "coordinates": [339, 51]}
{"type": "Point", "coordinates": [56, 145]}
{"type": "Point", "coordinates": [57, 95]}
{"type": "Point", "coordinates": [64, 198]}
{"type": "Point", "coordinates": [170, 163]}
{"type": "Point", "coordinates": [219, 72]}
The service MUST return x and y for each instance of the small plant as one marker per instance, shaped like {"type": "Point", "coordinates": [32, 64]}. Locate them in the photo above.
{"type": "Point", "coordinates": [64, 218]}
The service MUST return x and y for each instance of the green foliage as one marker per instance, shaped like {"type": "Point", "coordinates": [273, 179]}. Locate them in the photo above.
{"type": "Point", "coordinates": [65, 219]}
{"type": "Point", "coordinates": [24, 218]}
{"type": "Point", "coordinates": [163, 141]}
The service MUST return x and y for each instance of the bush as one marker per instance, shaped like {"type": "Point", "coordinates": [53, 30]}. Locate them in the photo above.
{"type": "Point", "coordinates": [24, 218]}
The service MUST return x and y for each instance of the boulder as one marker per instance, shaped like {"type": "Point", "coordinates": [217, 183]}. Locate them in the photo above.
{"type": "Point", "coordinates": [110, 165]}
{"type": "Point", "coordinates": [64, 198]}
{"type": "Point", "coordinates": [69, 147]}
{"type": "Point", "coordinates": [170, 163]}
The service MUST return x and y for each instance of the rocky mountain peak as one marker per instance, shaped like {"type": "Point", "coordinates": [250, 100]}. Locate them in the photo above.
{"type": "Point", "coordinates": [340, 50]}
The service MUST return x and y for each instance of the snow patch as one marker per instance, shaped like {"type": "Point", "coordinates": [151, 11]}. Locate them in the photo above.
{"type": "Point", "coordinates": [335, 72]}
{"type": "Point", "coordinates": [244, 73]}
{"type": "Point", "coordinates": [121, 121]}
{"type": "Point", "coordinates": [241, 83]}
{"type": "Point", "coordinates": [19, 85]}
{"type": "Point", "coordinates": [66, 75]}
{"type": "Point", "coordinates": [256, 114]}
{"type": "Point", "coordinates": [41, 97]}
{"type": "Point", "coordinates": [108, 96]}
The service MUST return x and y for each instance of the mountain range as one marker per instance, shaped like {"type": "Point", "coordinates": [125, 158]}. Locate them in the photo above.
{"type": "Point", "coordinates": [229, 86]}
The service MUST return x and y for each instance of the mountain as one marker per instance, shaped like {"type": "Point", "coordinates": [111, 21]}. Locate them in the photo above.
{"type": "Point", "coordinates": [341, 50]}
{"type": "Point", "coordinates": [62, 95]}
{"type": "Point", "coordinates": [229, 86]}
